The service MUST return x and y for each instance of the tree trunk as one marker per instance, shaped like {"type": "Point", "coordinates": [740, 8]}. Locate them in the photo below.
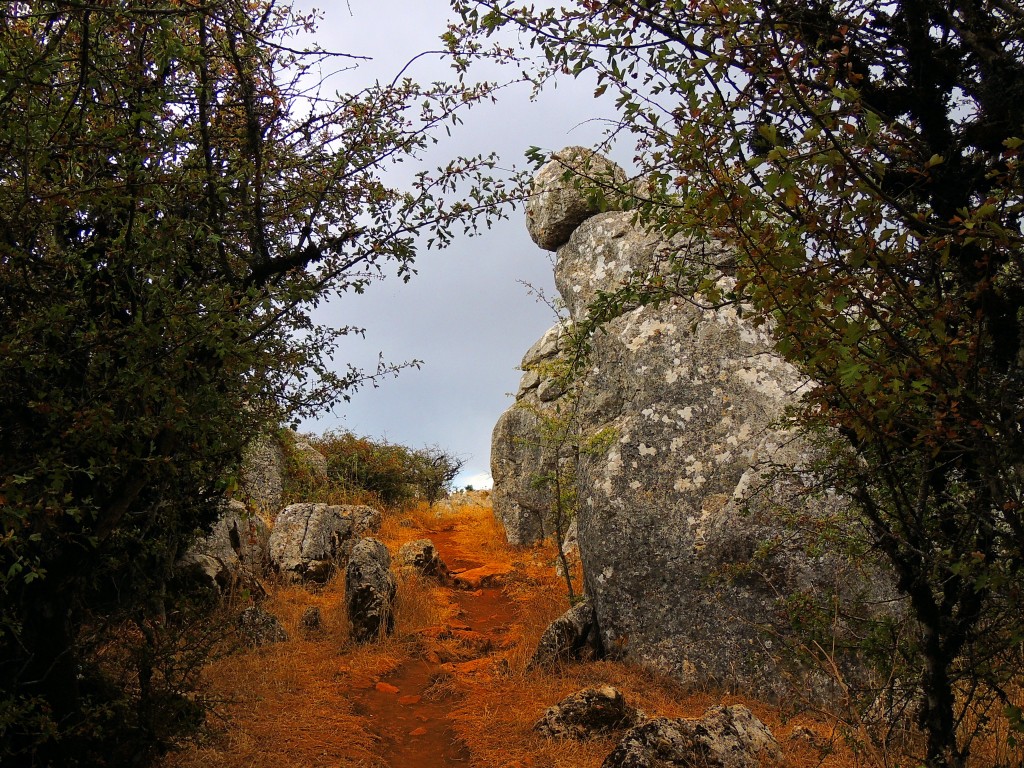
{"type": "Point", "coordinates": [937, 712]}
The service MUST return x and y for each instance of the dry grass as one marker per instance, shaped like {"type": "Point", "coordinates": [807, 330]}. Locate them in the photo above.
{"type": "Point", "coordinates": [496, 717]}
{"type": "Point", "coordinates": [291, 704]}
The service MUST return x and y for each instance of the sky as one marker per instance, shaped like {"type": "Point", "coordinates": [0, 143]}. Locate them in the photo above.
{"type": "Point", "coordinates": [466, 314]}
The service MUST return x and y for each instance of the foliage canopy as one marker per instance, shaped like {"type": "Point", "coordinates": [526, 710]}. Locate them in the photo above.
{"type": "Point", "coordinates": [865, 159]}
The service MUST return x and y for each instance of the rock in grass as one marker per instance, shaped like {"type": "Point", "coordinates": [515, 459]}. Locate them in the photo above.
{"type": "Point", "coordinates": [570, 637]}
{"type": "Point", "coordinates": [370, 591]}
{"type": "Point", "coordinates": [725, 737]}
{"type": "Point", "coordinates": [587, 713]}
{"type": "Point", "coordinates": [259, 627]}
{"type": "Point", "coordinates": [422, 557]}
{"type": "Point", "coordinates": [311, 620]}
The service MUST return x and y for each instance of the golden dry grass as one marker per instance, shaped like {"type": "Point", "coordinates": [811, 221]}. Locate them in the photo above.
{"type": "Point", "coordinates": [291, 704]}
{"type": "Point", "coordinates": [496, 719]}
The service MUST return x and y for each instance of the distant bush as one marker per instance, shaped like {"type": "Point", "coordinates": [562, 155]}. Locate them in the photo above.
{"type": "Point", "coordinates": [362, 470]}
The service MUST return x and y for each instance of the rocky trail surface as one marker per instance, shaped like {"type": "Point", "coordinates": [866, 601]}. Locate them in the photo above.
{"type": "Point", "coordinates": [407, 708]}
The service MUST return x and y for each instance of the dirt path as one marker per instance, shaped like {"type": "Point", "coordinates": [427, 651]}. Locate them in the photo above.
{"type": "Point", "coordinates": [409, 707]}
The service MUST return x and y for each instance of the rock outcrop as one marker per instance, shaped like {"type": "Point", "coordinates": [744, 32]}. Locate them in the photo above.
{"type": "Point", "coordinates": [233, 554]}
{"type": "Point", "coordinates": [725, 737]}
{"type": "Point", "coordinates": [685, 483]}
{"type": "Point", "coordinates": [310, 540]}
{"type": "Point", "coordinates": [370, 591]}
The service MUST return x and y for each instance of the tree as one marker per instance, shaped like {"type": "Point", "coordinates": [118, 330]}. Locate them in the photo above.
{"type": "Point", "coordinates": [177, 193]}
{"type": "Point", "coordinates": [865, 159]}
{"type": "Point", "coordinates": [432, 470]}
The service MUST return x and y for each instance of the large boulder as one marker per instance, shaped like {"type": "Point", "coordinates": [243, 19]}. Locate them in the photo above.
{"type": "Point", "coordinates": [686, 486]}
{"type": "Point", "coordinates": [725, 737]}
{"type": "Point", "coordinates": [234, 553]}
{"type": "Point", "coordinates": [310, 540]}
{"type": "Point", "coordinates": [370, 591]}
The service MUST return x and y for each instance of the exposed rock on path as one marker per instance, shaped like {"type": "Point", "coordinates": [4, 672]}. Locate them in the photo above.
{"type": "Point", "coordinates": [370, 591]}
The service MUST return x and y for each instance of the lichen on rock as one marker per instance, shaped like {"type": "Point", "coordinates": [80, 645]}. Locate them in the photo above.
{"type": "Point", "coordinates": [684, 510]}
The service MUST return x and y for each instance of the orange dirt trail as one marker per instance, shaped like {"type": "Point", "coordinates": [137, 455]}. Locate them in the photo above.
{"type": "Point", "coordinates": [407, 708]}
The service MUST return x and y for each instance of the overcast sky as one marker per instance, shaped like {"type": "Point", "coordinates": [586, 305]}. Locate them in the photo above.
{"type": "Point", "coordinates": [465, 314]}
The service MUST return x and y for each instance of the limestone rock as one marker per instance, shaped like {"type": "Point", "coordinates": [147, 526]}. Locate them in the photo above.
{"type": "Point", "coordinates": [203, 572]}
{"type": "Point", "coordinates": [234, 553]}
{"type": "Point", "coordinates": [570, 637]}
{"type": "Point", "coordinates": [421, 557]}
{"type": "Point", "coordinates": [262, 475]}
{"type": "Point", "coordinates": [260, 627]}
{"type": "Point", "coordinates": [687, 484]}
{"type": "Point", "coordinates": [518, 458]}
{"type": "Point", "coordinates": [310, 540]}
{"type": "Point", "coordinates": [587, 713]}
{"type": "Point", "coordinates": [310, 459]}
{"type": "Point", "coordinates": [558, 204]}
{"type": "Point", "coordinates": [487, 575]}
{"type": "Point", "coordinates": [570, 549]}
{"type": "Point", "coordinates": [607, 250]}
{"type": "Point", "coordinates": [369, 591]}
{"type": "Point", "coordinates": [464, 643]}
{"type": "Point", "coordinates": [726, 737]}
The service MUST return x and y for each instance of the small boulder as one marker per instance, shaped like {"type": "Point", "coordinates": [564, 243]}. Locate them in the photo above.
{"type": "Point", "coordinates": [587, 713]}
{"type": "Point", "coordinates": [421, 557]}
{"type": "Point", "coordinates": [311, 620]}
{"type": "Point", "coordinates": [370, 591]}
{"type": "Point", "coordinates": [572, 636]}
{"type": "Point", "coordinates": [260, 627]}
{"type": "Point", "coordinates": [725, 737]}
{"type": "Point", "coordinates": [801, 734]}
{"type": "Point", "coordinates": [310, 540]}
